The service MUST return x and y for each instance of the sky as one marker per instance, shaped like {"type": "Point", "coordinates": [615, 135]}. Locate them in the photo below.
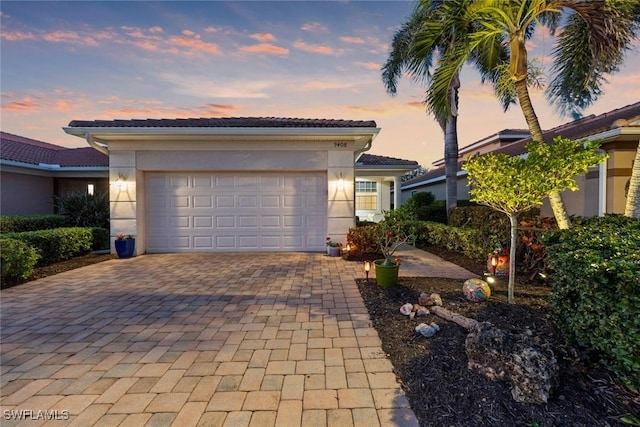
{"type": "Point", "coordinates": [103, 60]}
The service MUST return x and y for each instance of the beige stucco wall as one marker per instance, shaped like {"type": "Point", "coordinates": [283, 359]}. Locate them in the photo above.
{"type": "Point", "coordinates": [23, 194]}
{"type": "Point", "coordinates": [619, 168]}
{"type": "Point", "coordinates": [131, 160]}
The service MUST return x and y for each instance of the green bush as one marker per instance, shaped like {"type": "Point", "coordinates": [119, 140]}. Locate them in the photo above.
{"type": "Point", "coordinates": [20, 223]}
{"type": "Point", "coordinates": [487, 220]}
{"type": "Point", "coordinates": [100, 238]}
{"type": "Point", "coordinates": [362, 240]}
{"type": "Point", "coordinates": [57, 244]}
{"type": "Point", "coordinates": [17, 260]}
{"type": "Point", "coordinates": [84, 210]}
{"type": "Point", "coordinates": [423, 207]}
{"type": "Point", "coordinates": [595, 271]}
{"type": "Point", "coordinates": [471, 242]}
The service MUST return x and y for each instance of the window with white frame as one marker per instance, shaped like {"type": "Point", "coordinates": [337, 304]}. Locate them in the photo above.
{"type": "Point", "coordinates": [366, 195]}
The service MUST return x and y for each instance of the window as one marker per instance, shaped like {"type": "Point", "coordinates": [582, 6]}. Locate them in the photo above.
{"type": "Point", "coordinates": [366, 195]}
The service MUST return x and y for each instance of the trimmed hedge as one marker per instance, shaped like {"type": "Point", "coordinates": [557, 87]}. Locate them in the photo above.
{"type": "Point", "coordinates": [17, 260]}
{"type": "Point", "coordinates": [57, 244]}
{"type": "Point", "coordinates": [596, 290]}
{"type": "Point", "coordinates": [100, 238]}
{"type": "Point", "coordinates": [20, 223]}
{"type": "Point", "coordinates": [471, 242]}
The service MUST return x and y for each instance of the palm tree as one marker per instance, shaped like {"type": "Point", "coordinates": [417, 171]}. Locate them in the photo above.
{"type": "Point", "coordinates": [632, 207]}
{"type": "Point", "coordinates": [594, 36]}
{"type": "Point", "coordinates": [402, 57]}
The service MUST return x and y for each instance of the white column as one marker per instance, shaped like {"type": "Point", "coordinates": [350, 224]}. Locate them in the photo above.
{"type": "Point", "coordinates": [396, 192]}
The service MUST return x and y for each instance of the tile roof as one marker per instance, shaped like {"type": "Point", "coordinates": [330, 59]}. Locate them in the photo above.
{"type": "Point", "coordinates": [582, 128]}
{"type": "Point", "coordinates": [26, 150]}
{"type": "Point", "coordinates": [233, 122]}
{"type": "Point", "coordinates": [373, 160]}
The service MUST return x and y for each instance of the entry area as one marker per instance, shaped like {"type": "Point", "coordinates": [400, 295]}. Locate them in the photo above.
{"type": "Point", "coordinates": [260, 211]}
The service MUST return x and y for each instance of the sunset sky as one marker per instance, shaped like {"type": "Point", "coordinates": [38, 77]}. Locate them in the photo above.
{"type": "Point", "coordinates": [63, 61]}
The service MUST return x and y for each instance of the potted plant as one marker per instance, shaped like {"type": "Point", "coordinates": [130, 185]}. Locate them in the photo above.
{"type": "Point", "coordinates": [125, 245]}
{"type": "Point", "coordinates": [333, 248]}
{"type": "Point", "coordinates": [389, 238]}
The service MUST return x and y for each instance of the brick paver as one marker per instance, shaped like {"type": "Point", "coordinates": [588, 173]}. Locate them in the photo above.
{"type": "Point", "coordinates": [280, 339]}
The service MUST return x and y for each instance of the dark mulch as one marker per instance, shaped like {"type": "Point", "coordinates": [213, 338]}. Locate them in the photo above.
{"type": "Point", "coordinates": [443, 392]}
{"type": "Point", "coordinates": [59, 267]}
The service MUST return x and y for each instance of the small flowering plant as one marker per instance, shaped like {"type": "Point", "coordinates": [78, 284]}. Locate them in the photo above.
{"type": "Point", "coordinates": [123, 236]}
{"type": "Point", "coordinates": [333, 244]}
{"type": "Point", "coordinates": [390, 238]}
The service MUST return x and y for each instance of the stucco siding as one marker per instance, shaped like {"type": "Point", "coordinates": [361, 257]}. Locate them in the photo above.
{"type": "Point", "coordinates": [26, 194]}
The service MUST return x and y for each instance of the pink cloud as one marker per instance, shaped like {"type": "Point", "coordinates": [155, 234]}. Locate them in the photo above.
{"type": "Point", "coordinates": [314, 27]}
{"type": "Point", "coordinates": [365, 109]}
{"type": "Point", "coordinates": [352, 40]}
{"type": "Point", "coordinates": [323, 50]}
{"type": "Point", "coordinates": [264, 37]}
{"type": "Point", "coordinates": [156, 29]}
{"type": "Point", "coordinates": [265, 48]}
{"type": "Point", "coordinates": [16, 36]}
{"type": "Point", "coordinates": [190, 33]}
{"type": "Point", "coordinates": [70, 37]}
{"type": "Point", "coordinates": [374, 66]}
{"type": "Point", "coordinates": [194, 44]}
{"type": "Point", "coordinates": [62, 105]}
{"type": "Point", "coordinates": [24, 105]}
{"type": "Point", "coordinates": [154, 110]}
{"type": "Point", "coordinates": [211, 29]}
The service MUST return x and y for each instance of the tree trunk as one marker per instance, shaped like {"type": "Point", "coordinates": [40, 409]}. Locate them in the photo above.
{"type": "Point", "coordinates": [513, 219]}
{"type": "Point", "coordinates": [555, 199]}
{"type": "Point", "coordinates": [632, 207]}
{"type": "Point", "coordinates": [451, 146]}
{"type": "Point", "coordinates": [559, 210]}
{"type": "Point", "coordinates": [456, 318]}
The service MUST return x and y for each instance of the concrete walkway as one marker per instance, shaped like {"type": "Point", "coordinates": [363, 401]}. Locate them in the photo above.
{"type": "Point", "coordinates": [270, 339]}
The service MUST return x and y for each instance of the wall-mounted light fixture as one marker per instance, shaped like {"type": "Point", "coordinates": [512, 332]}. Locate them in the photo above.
{"type": "Point", "coordinates": [121, 181]}
{"type": "Point", "coordinates": [91, 188]}
{"type": "Point", "coordinates": [340, 182]}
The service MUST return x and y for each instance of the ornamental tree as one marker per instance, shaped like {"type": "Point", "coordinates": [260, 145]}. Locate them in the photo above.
{"type": "Point", "coordinates": [513, 185]}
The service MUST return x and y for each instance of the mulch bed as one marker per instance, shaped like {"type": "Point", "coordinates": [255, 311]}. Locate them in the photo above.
{"type": "Point", "coordinates": [443, 392]}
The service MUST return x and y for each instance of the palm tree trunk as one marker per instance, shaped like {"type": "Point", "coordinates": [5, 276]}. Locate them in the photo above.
{"type": "Point", "coordinates": [555, 198]}
{"type": "Point", "coordinates": [451, 146]}
{"type": "Point", "coordinates": [632, 207]}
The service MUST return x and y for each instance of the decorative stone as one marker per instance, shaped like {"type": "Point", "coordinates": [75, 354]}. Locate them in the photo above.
{"type": "Point", "coordinates": [423, 299]}
{"type": "Point", "coordinates": [437, 300]}
{"type": "Point", "coordinates": [422, 311]}
{"type": "Point", "coordinates": [476, 290]}
{"type": "Point", "coordinates": [406, 309]}
{"type": "Point", "coordinates": [427, 330]}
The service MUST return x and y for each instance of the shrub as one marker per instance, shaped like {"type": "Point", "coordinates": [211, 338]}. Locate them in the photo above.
{"type": "Point", "coordinates": [596, 282]}
{"type": "Point", "coordinates": [424, 207]}
{"type": "Point", "coordinates": [471, 242]}
{"type": "Point", "coordinates": [84, 210]}
{"type": "Point", "coordinates": [57, 244]}
{"type": "Point", "coordinates": [17, 260]}
{"type": "Point", "coordinates": [487, 220]}
{"type": "Point", "coordinates": [363, 240]}
{"type": "Point", "coordinates": [100, 238]}
{"type": "Point", "coordinates": [19, 223]}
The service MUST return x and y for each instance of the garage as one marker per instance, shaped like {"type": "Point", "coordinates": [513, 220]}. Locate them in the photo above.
{"type": "Point", "coordinates": [230, 184]}
{"type": "Point", "coordinates": [206, 212]}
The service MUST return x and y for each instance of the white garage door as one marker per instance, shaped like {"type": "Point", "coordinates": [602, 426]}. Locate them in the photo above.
{"type": "Point", "coordinates": [201, 212]}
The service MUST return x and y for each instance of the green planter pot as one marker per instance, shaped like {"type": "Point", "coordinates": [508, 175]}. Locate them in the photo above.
{"type": "Point", "coordinates": [386, 275]}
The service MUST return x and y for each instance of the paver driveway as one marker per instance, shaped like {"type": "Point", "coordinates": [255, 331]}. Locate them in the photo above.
{"type": "Point", "coordinates": [197, 339]}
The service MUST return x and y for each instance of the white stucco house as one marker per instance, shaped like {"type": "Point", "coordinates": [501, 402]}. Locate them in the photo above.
{"type": "Point", "coordinates": [233, 184]}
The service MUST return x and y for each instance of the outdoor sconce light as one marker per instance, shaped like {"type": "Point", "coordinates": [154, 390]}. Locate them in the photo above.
{"type": "Point", "coordinates": [340, 182]}
{"type": "Point", "coordinates": [121, 181]}
{"type": "Point", "coordinates": [91, 189]}
{"type": "Point", "coordinates": [367, 268]}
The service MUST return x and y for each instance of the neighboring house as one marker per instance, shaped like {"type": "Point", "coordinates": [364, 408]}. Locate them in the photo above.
{"type": "Point", "coordinates": [233, 184]}
{"type": "Point", "coordinates": [34, 171]}
{"type": "Point", "coordinates": [602, 189]}
{"type": "Point", "coordinates": [374, 176]}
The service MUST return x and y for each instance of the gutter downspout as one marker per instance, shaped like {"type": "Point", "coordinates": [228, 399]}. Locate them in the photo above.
{"type": "Point", "coordinates": [91, 141]}
{"type": "Point", "coordinates": [602, 185]}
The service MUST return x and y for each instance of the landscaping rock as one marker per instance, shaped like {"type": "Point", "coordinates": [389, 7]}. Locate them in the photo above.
{"type": "Point", "coordinates": [531, 369]}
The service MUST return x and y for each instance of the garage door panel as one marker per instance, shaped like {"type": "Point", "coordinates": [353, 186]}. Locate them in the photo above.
{"type": "Point", "coordinates": [230, 212]}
